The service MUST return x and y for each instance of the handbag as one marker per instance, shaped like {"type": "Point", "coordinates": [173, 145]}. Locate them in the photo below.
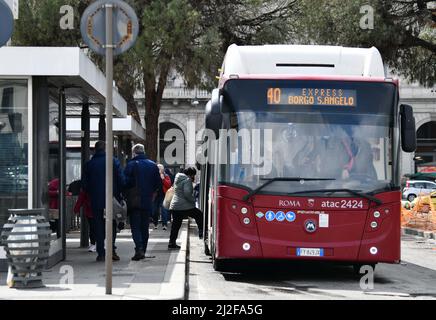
{"type": "Point", "coordinates": [168, 198]}
{"type": "Point", "coordinates": [133, 195]}
{"type": "Point", "coordinates": [119, 210]}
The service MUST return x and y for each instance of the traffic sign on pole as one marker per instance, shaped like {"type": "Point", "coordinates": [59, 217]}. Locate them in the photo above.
{"type": "Point", "coordinates": [125, 26]}
{"type": "Point", "coordinates": [6, 23]}
{"type": "Point", "coordinates": [109, 27]}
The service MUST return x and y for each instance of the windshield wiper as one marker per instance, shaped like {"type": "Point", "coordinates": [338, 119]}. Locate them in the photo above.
{"type": "Point", "coordinates": [269, 181]}
{"type": "Point", "coordinates": [355, 192]}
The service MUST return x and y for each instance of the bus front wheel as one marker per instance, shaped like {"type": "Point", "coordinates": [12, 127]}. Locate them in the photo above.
{"type": "Point", "coordinates": [219, 265]}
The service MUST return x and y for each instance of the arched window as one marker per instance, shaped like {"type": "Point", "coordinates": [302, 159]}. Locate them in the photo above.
{"type": "Point", "coordinates": [426, 139]}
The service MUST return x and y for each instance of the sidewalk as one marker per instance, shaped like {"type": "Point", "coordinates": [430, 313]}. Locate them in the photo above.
{"type": "Point", "coordinates": [159, 278]}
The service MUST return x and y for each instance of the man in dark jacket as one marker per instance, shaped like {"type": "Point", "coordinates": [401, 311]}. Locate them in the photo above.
{"type": "Point", "coordinates": [94, 184]}
{"type": "Point", "coordinates": [142, 182]}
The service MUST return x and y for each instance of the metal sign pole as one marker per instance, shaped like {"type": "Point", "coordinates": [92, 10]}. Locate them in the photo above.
{"type": "Point", "coordinates": [107, 37]}
{"type": "Point", "coordinates": [109, 145]}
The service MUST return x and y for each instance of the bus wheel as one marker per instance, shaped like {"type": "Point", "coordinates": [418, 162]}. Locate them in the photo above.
{"type": "Point", "coordinates": [219, 265]}
{"type": "Point", "coordinates": [358, 266]}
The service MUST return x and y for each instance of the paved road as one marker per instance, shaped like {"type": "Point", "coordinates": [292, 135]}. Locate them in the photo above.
{"type": "Point", "coordinates": [315, 281]}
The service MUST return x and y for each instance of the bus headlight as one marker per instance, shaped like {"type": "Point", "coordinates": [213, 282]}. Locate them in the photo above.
{"type": "Point", "coordinates": [377, 214]}
{"type": "Point", "coordinates": [244, 210]}
{"type": "Point", "coordinates": [246, 220]}
{"type": "Point", "coordinates": [374, 224]}
{"type": "Point", "coordinates": [373, 250]}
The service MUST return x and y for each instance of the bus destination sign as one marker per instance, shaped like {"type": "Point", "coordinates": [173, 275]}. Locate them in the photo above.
{"type": "Point", "coordinates": [311, 97]}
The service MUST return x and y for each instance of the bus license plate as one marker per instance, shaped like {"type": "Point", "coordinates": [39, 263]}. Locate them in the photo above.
{"type": "Point", "coordinates": [310, 252]}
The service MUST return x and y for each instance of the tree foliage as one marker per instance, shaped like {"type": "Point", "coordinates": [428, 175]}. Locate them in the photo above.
{"type": "Point", "coordinates": [38, 25]}
{"type": "Point", "coordinates": [404, 32]}
{"type": "Point", "coordinates": [191, 37]}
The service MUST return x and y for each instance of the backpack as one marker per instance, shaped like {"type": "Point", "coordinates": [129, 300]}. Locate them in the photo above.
{"type": "Point", "coordinates": [133, 195]}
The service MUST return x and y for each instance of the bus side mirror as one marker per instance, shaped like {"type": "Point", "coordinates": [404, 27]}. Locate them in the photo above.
{"type": "Point", "coordinates": [214, 117]}
{"type": "Point", "coordinates": [408, 130]}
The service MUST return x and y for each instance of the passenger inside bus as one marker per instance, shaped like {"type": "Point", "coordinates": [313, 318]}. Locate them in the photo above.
{"type": "Point", "coordinates": [329, 152]}
{"type": "Point", "coordinates": [342, 153]}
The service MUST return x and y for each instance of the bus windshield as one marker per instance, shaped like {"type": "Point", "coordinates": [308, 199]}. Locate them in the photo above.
{"type": "Point", "coordinates": [342, 137]}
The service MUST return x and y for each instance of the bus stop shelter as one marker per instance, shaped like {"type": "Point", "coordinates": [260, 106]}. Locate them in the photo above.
{"type": "Point", "coordinates": [126, 130]}
{"type": "Point", "coordinates": [39, 88]}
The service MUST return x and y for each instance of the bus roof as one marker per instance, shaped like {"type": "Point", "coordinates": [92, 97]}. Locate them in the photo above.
{"type": "Point", "coordinates": [295, 60]}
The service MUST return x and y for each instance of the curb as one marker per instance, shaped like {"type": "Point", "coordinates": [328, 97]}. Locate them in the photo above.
{"type": "Point", "coordinates": [175, 278]}
{"type": "Point", "coordinates": [419, 233]}
{"type": "Point", "coordinates": [187, 256]}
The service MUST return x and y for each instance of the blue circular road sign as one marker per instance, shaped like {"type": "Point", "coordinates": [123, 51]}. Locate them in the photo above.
{"type": "Point", "coordinates": [125, 26]}
{"type": "Point", "coordinates": [6, 23]}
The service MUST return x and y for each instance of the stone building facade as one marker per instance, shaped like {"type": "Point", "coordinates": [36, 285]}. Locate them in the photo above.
{"type": "Point", "coordinates": [423, 101]}
{"type": "Point", "coordinates": [183, 110]}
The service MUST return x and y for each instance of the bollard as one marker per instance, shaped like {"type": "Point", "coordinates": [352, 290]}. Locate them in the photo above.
{"type": "Point", "coordinates": [26, 240]}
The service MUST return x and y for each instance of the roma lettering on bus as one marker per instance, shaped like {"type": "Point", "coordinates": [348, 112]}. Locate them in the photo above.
{"type": "Point", "coordinates": [289, 203]}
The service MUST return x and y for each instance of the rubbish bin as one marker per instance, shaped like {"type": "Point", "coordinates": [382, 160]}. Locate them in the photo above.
{"type": "Point", "coordinates": [26, 240]}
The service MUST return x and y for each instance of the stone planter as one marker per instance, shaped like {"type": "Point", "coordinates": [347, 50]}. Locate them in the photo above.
{"type": "Point", "coordinates": [26, 240]}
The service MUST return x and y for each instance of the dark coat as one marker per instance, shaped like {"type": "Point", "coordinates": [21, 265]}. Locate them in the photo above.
{"type": "Point", "coordinates": [146, 173]}
{"type": "Point", "coordinates": [94, 181]}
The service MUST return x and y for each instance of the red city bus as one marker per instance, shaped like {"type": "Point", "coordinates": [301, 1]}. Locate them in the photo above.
{"type": "Point", "coordinates": [325, 185]}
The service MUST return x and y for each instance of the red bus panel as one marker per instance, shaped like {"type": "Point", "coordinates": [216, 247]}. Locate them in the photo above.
{"type": "Point", "coordinates": [343, 229]}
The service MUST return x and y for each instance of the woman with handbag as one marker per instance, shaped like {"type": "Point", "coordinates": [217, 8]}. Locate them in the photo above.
{"type": "Point", "coordinates": [183, 205]}
{"type": "Point", "coordinates": [158, 208]}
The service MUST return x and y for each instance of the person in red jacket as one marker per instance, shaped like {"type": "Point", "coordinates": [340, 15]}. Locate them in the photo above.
{"type": "Point", "coordinates": [53, 192]}
{"type": "Point", "coordinates": [158, 208]}
{"type": "Point", "coordinates": [84, 201]}
{"type": "Point", "coordinates": [53, 205]}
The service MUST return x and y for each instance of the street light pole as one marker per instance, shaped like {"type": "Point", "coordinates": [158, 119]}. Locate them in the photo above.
{"type": "Point", "coordinates": [109, 146]}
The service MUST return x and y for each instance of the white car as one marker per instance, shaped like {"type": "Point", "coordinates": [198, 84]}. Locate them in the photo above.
{"type": "Point", "coordinates": [415, 188]}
